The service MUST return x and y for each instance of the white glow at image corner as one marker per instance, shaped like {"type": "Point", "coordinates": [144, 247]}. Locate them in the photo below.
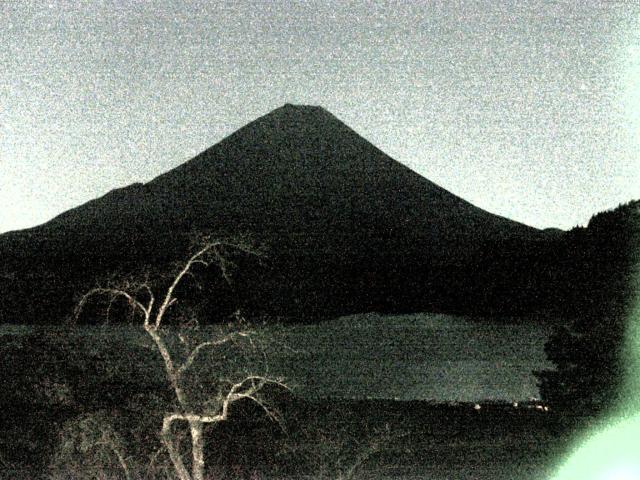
{"type": "Point", "coordinates": [623, 472]}
{"type": "Point", "coordinates": [613, 452]}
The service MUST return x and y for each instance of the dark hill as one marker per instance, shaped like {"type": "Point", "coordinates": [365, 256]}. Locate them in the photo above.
{"type": "Point", "coordinates": [347, 228]}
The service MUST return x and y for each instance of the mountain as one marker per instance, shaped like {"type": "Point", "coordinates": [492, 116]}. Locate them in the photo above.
{"type": "Point", "coordinates": [346, 227]}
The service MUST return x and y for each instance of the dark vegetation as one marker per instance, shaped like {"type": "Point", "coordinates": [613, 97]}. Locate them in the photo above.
{"type": "Point", "coordinates": [602, 277]}
{"type": "Point", "coordinates": [69, 387]}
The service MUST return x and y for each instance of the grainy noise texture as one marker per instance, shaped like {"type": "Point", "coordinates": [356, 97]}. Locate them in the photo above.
{"type": "Point", "coordinates": [526, 109]}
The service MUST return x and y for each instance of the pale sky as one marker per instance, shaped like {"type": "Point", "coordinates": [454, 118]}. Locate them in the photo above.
{"type": "Point", "coordinates": [530, 110]}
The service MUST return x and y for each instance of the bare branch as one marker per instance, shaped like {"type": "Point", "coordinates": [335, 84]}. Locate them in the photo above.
{"type": "Point", "coordinates": [224, 265]}
{"type": "Point", "coordinates": [170, 370]}
{"type": "Point", "coordinates": [272, 413]}
{"type": "Point", "coordinates": [236, 391]}
{"type": "Point", "coordinates": [114, 293]}
{"type": "Point", "coordinates": [111, 302]}
{"type": "Point", "coordinates": [234, 394]}
{"type": "Point", "coordinates": [169, 298]}
{"type": "Point", "coordinates": [147, 288]}
{"type": "Point", "coordinates": [213, 343]}
{"type": "Point", "coordinates": [199, 258]}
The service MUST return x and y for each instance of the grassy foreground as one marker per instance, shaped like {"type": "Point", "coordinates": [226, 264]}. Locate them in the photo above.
{"type": "Point", "coordinates": [333, 439]}
{"type": "Point", "coordinates": [66, 391]}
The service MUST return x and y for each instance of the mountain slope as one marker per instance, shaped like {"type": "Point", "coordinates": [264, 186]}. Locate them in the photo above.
{"type": "Point", "coordinates": [347, 227]}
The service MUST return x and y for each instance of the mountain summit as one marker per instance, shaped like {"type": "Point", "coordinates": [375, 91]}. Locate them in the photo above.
{"type": "Point", "coordinates": [347, 227]}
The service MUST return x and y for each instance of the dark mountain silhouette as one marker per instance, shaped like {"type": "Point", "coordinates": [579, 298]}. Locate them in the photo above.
{"type": "Point", "coordinates": [347, 229]}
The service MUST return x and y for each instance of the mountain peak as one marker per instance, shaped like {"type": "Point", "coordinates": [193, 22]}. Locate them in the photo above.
{"type": "Point", "coordinates": [300, 112]}
{"type": "Point", "coordinates": [299, 106]}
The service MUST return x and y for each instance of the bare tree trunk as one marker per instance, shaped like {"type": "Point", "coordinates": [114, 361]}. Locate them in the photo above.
{"type": "Point", "coordinates": [172, 373]}
{"type": "Point", "coordinates": [197, 450]}
{"type": "Point", "coordinates": [174, 454]}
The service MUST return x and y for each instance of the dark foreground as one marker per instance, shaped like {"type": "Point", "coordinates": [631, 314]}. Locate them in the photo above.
{"type": "Point", "coordinates": [403, 440]}
{"type": "Point", "coordinates": [332, 439]}
{"type": "Point", "coordinates": [67, 404]}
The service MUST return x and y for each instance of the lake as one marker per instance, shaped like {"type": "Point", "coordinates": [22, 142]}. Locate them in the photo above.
{"type": "Point", "coordinates": [407, 357]}
{"type": "Point", "coordinates": [416, 357]}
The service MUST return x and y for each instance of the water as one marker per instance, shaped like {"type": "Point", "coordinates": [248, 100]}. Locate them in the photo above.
{"type": "Point", "coordinates": [407, 357]}
{"type": "Point", "coordinates": [420, 356]}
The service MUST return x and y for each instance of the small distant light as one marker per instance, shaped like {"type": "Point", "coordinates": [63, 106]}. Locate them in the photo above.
{"type": "Point", "coordinates": [515, 404]}
{"type": "Point", "coordinates": [477, 407]}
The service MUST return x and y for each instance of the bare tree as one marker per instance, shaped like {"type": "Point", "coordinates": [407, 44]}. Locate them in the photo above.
{"type": "Point", "coordinates": [192, 411]}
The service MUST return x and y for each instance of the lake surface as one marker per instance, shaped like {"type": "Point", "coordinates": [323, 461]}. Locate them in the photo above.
{"type": "Point", "coordinates": [418, 356]}
{"type": "Point", "coordinates": [408, 357]}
